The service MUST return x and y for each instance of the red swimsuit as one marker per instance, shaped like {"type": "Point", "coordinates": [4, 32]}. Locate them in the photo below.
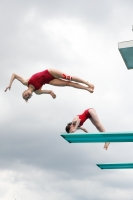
{"type": "Point", "coordinates": [84, 116]}
{"type": "Point", "coordinates": [41, 78]}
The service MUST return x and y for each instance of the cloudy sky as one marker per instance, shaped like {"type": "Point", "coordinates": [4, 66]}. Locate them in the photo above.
{"type": "Point", "coordinates": [79, 38]}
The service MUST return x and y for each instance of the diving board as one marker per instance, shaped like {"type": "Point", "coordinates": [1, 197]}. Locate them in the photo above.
{"type": "Point", "coordinates": [126, 51]}
{"type": "Point", "coordinates": [115, 165]}
{"type": "Point", "coordinates": [98, 137]}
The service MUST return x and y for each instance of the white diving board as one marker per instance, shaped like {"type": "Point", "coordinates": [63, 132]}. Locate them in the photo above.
{"type": "Point", "coordinates": [98, 137]}
{"type": "Point", "coordinates": [126, 51]}
{"type": "Point", "coordinates": [115, 165]}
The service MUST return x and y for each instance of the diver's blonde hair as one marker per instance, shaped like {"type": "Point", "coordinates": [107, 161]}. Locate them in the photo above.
{"type": "Point", "coordinates": [25, 98]}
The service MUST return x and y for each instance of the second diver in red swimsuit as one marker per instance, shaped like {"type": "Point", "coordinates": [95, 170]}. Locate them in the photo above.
{"type": "Point", "coordinates": [52, 77]}
{"type": "Point", "coordinates": [79, 120]}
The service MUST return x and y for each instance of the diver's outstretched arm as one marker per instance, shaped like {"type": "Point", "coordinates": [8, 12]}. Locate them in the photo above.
{"type": "Point", "coordinates": [19, 78]}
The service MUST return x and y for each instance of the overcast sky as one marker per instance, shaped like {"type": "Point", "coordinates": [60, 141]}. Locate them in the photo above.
{"type": "Point", "coordinates": [79, 38]}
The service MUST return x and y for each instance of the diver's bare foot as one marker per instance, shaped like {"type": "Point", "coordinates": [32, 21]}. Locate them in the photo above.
{"type": "Point", "coordinates": [106, 145]}
{"type": "Point", "coordinates": [90, 89]}
{"type": "Point", "coordinates": [91, 85]}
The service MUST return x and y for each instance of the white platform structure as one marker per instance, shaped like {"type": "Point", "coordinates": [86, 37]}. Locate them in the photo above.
{"type": "Point", "coordinates": [126, 51]}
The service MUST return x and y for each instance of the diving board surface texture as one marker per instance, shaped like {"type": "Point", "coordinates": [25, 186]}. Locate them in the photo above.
{"type": "Point", "coordinates": [126, 51]}
{"type": "Point", "coordinates": [98, 137]}
{"type": "Point", "coordinates": [115, 165]}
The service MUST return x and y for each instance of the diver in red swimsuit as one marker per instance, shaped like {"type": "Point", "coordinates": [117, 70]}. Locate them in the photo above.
{"type": "Point", "coordinates": [52, 77]}
{"type": "Point", "coordinates": [79, 120]}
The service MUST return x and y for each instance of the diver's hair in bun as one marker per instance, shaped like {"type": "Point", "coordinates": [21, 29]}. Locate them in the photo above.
{"type": "Point", "coordinates": [23, 96]}
{"type": "Point", "coordinates": [26, 99]}
{"type": "Point", "coordinates": [68, 127]}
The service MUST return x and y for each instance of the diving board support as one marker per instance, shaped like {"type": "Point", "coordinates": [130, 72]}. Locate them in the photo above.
{"type": "Point", "coordinates": [98, 137]}
{"type": "Point", "coordinates": [115, 165]}
{"type": "Point", "coordinates": [126, 51]}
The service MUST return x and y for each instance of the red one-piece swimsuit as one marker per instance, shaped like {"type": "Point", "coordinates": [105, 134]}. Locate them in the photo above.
{"type": "Point", "coordinates": [84, 116]}
{"type": "Point", "coordinates": [39, 79]}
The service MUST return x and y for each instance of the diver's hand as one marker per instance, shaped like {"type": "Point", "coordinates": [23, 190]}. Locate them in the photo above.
{"type": "Point", "coordinates": [53, 94]}
{"type": "Point", "coordinates": [8, 88]}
